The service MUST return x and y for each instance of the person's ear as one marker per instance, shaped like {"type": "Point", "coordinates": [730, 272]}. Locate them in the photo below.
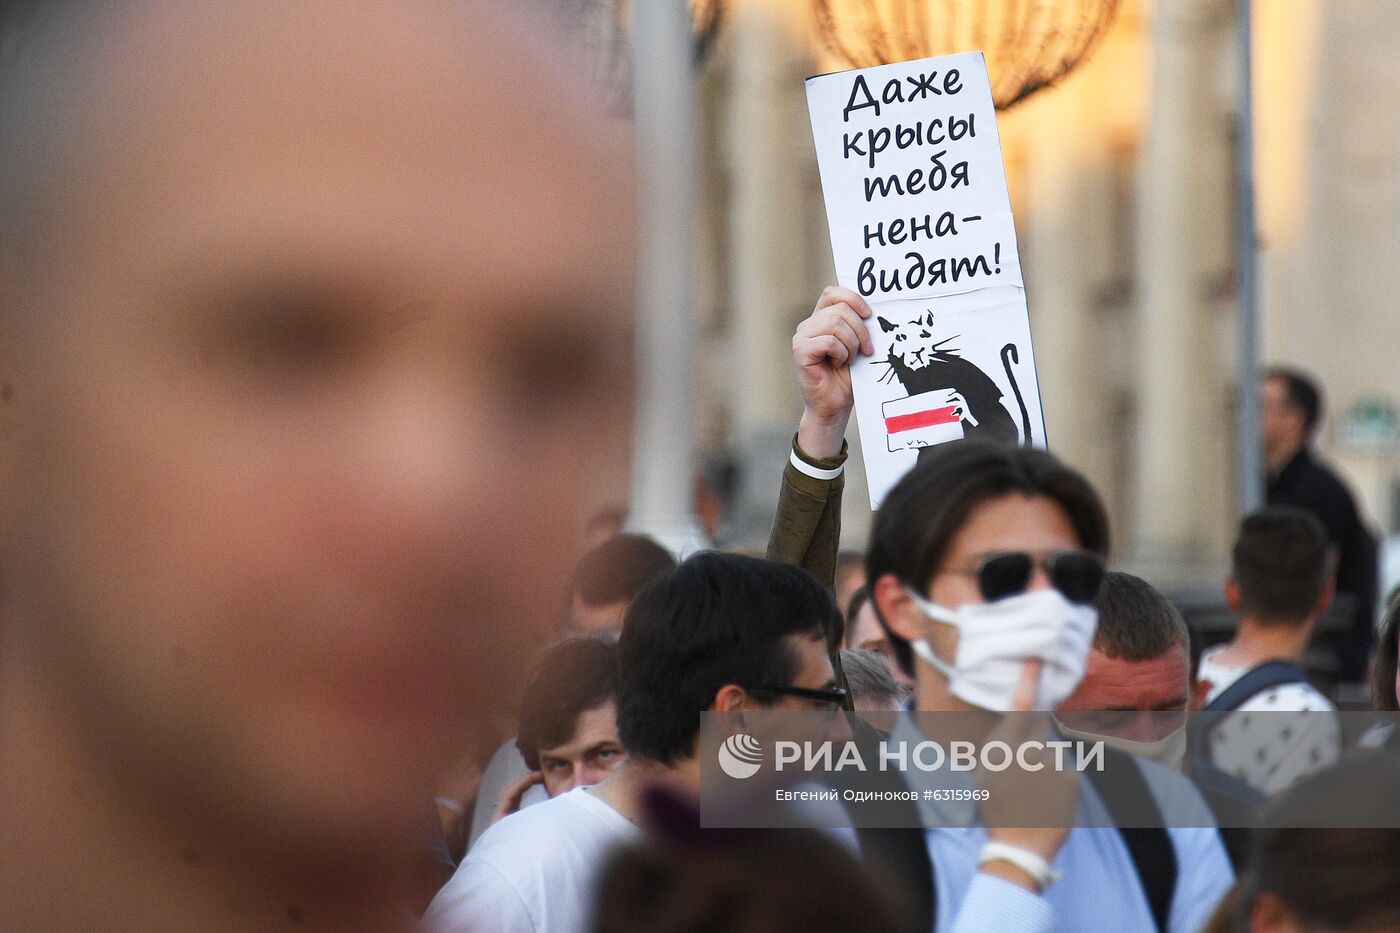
{"type": "Point", "coordinates": [1324, 599]}
{"type": "Point", "coordinates": [730, 702]}
{"type": "Point", "coordinates": [730, 697]}
{"type": "Point", "coordinates": [1233, 601]}
{"type": "Point", "coordinates": [897, 609]}
{"type": "Point", "coordinates": [1199, 691]}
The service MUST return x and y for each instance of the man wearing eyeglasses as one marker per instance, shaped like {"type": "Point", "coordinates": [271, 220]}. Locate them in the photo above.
{"type": "Point", "coordinates": [722, 633]}
{"type": "Point", "coordinates": [982, 565]}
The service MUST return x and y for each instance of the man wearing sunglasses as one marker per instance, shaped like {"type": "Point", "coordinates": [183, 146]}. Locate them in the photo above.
{"type": "Point", "coordinates": [723, 633]}
{"type": "Point", "coordinates": [982, 565]}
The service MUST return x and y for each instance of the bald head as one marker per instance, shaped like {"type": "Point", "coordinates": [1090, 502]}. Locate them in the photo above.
{"type": "Point", "coordinates": [330, 294]}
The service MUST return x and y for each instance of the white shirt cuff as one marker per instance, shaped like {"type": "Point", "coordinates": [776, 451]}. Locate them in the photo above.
{"type": "Point", "coordinates": [815, 472]}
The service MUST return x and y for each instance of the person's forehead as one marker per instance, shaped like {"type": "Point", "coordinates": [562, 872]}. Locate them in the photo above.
{"type": "Point", "coordinates": [359, 130]}
{"type": "Point", "coordinates": [305, 56]}
{"type": "Point", "coordinates": [593, 726]}
{"type": "Point", "coordinates": [1118, 682]}
{"type": "Point", "coordinates": [1274, 390]}
{"type": "Point", "coordinates": [1013, 522]}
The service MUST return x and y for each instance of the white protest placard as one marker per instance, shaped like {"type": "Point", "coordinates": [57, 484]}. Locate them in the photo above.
{"type": "Point", "coordinates": [921, 226]}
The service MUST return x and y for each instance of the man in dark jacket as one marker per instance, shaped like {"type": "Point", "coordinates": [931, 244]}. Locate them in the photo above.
{"type": "Point", "coordinates": [1291, 409]}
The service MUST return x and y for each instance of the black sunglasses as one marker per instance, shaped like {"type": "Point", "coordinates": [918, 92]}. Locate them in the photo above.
{"type": "Point", "coordinates": [1077, 574]}
{"type": "Point", "coordinates": [834, 698]}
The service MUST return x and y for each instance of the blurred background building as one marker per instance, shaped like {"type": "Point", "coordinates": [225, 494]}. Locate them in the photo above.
{"type": "Point", "coordinates": [1121, 183]}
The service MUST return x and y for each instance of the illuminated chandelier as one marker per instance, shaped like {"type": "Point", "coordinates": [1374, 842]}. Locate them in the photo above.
{"type": "Point", "coordinates": [1029, 44]}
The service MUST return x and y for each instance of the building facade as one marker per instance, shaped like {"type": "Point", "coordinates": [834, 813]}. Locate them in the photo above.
{"type": "Point", "coordinates": [1121, 182]}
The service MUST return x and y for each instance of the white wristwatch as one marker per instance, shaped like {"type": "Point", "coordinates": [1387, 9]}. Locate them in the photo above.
{"type": "Point", "coordinates": [1026, 860]}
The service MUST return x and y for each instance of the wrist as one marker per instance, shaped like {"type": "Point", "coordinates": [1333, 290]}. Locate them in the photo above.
{"type": "Point", "coordinates": [819, 437]}
{"type": "Point", "coordinates": [1018, 865]}
{"type": "Point", "coordinates": [1009, 873]}
{"type": "Point", "coordinates": [1044, 843]}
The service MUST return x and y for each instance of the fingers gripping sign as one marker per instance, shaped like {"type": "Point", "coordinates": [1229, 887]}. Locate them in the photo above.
{"type": "Point", "coordinates": [823, 349]}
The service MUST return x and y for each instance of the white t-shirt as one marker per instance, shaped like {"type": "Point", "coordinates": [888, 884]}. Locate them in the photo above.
{"type": "Point", "coordinates": [1273, 751]}
{"type": "Point", "coordinates": [505, 768]}
{"type": "Point", "coordinates": [534, 871]}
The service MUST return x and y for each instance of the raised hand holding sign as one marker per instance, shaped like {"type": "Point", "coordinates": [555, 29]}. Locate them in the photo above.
{"type": "Point", "coordinates": [921, 232]}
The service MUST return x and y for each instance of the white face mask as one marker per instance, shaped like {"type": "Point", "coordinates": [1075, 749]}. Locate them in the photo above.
{"type": "Point", "coordinates": [1169, 750]}
{"type": "Point", "coordinates": [995, 639]}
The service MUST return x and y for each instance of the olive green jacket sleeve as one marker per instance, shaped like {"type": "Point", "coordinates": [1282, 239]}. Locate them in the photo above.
{"type": "Point", "coordinates": [807, 527]}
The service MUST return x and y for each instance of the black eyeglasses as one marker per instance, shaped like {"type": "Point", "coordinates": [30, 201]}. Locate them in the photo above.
{"type": "Point", "coordinates": [1077, 574]}
{"type": "Point", "coordinates": [834, 698]}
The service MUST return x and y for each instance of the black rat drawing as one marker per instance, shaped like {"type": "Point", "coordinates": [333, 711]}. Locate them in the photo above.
{"type": "Point", "coordinates": [922, 364]}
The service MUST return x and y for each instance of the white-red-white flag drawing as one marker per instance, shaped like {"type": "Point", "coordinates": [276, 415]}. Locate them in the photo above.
{"type": "Point", "coordinates": [923, 420]}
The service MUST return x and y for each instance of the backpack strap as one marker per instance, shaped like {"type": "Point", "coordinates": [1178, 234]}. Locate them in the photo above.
{"type": "Point", "coordinates": [1127, 797]}
{"type": "Point", "coordinates": [1257, 680]}
{"type": "Point", "coordinates": [1235, 806]}
{"type": "Point", "coordinates": [899, 848]}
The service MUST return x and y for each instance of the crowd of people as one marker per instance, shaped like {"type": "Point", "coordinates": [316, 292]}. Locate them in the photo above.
{"type": "Point", "coordinates": [984, 588]}
{"type": "Point", "coordinates": [310, 356]}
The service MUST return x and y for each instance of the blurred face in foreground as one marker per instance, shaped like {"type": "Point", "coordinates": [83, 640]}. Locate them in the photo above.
{"type": "Point", "coordinates": [309, 363]}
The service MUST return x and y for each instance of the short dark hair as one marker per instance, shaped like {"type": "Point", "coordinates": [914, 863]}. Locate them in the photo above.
{"type": "Point", "coordinates": [1301, 391]}
{"type": "Point", "coordinates": [868, 677]}
{"type": "Point", "coordinates": [716, 619]}
{"type": "Point", "coordinates": [1282, 563]}
{"type": "Point", "coordinates": [926, 508]}
{"type": "Point", "coordinates": [1136, 622]}
{"type": "Point", "coordinates": [616, 570]}
{"type": "Point", "coordinates": [572, 677]}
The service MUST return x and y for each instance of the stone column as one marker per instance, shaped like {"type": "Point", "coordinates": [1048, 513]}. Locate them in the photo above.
{"type": "Point", "coordinates": [767, 141]}
{"type": "Point", "coordinates": [1063, 225]}
{"type": "Point", "coordinates": [664, 101]}
{"type": "Point", "coordinates": [1183, 472]}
